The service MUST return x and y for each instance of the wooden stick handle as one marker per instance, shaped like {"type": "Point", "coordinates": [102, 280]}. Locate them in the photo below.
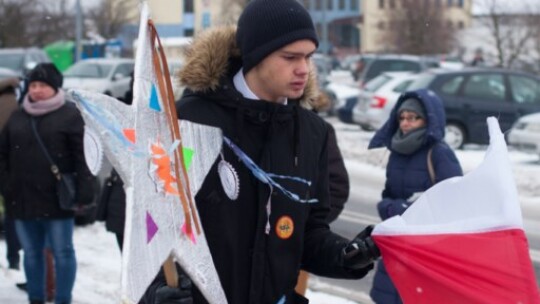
{"type": "Point", "coordinates": [171, 276]}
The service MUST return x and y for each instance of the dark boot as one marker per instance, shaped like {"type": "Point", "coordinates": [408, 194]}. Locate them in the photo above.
{"type": "Point", "coordinates": [37, 302]}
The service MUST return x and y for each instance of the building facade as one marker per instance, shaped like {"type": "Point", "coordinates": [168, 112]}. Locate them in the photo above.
{"type": "Point", "coordinates": [337, 23]}
{"type": "Point", "coordinates": [377, 14]}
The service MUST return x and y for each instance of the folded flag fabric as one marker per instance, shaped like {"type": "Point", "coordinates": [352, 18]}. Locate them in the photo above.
{"type": "Point", "coordinates": [462, 241]}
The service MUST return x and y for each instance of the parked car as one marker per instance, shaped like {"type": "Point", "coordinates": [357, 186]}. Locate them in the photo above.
{"type": "Point", "coordinates": [472, 94]}
{"type": "Point", "coordinates": [378, 97]}
{"type": "Point", "coordinates": [6, 73]}
{"type": "Point", "coordinates": [395, 63]}
{"type": "Point", "coordinates": [22, 60]}
{"type": "Point", "coordinates": [525, 134]}
{"type": "Point", "coordinates": [110, 76]}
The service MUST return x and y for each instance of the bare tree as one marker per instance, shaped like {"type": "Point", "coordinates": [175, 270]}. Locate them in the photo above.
{"type": "Point", "coordinates": [25, 23]}
{"type": "Point", "coordinates": [513, 33]}
{"type": "Point", "coordinates": [417, 27]}
{"type": "Point", "coordinates": [110, 16]}
{"type": "Point", "coordinates": [230, 11]}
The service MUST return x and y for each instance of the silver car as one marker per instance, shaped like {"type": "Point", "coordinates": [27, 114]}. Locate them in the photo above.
{"type": "Point", "coordinates": [110, 76]}
{"type": "Point", "coordinates": [525, 134]}
{"type": "Point", "coordinates": [378, 97]}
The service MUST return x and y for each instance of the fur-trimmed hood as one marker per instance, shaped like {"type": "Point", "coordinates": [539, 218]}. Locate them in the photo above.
{"type": "Point", "coordinates": [214, 52]}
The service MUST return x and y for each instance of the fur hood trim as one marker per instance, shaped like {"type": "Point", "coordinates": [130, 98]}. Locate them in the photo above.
{"type": "Point", "coordinates": [208, 60]}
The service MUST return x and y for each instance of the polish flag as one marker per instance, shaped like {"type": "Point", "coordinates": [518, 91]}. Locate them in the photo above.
{"type": "Point", "coordinates": [462, 241]}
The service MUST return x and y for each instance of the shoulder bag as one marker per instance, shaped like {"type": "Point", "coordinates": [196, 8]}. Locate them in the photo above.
{"type": "Point", "coordinates": [65, 185]}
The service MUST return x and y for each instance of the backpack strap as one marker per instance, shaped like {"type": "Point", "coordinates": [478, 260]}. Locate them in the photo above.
{"type": "Point", "coordinates": [431, 170]}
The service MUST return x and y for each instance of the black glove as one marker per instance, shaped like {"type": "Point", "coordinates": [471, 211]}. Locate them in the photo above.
{"type": "Point", "coordinates": [361, 251]}
{"type": "Point", "coordinates": [172, 295]}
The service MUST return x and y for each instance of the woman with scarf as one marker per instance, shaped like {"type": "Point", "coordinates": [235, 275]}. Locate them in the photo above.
{"type": "Point", "coordinates": [414, 134]}
{"type": "Point", "coordinates": [29, 185]}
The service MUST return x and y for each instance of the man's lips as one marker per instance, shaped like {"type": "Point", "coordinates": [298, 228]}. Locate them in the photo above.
{"type": "Point", "coordinates": [298, 84]}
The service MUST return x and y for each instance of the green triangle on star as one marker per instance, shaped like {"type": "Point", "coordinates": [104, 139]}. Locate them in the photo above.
{"type": "Point", "coordinates": [188, 156]}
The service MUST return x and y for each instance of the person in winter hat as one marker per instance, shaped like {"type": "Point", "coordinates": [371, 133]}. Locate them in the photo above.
{"type": "Point", "coordinates": [29, 185]}
{"type": "Point", "coordinates": [250, 81]}
{"type": "Point", "coordinates": [414, 134]}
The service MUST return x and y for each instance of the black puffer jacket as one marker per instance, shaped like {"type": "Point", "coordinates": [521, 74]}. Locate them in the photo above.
{"type": "Point", "coordinates": [286, 140]}
{"type": "Point", "coordinates": [27, 182]}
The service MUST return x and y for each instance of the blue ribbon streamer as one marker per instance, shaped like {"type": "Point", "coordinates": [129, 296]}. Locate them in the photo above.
{"type": "Point", "coordinates": [268, 178]}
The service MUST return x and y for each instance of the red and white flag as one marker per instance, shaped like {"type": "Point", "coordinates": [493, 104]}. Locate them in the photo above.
{"type": "Point", "coordinates": [462, 241]}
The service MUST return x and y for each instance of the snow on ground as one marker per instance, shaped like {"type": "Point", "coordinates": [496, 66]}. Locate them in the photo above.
{"type": "Point", "coordinates": [98, 276]}
{"type": "Point", "coordinates": [98, 273]}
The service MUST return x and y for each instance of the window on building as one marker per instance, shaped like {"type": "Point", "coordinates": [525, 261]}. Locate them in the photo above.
{"type": "Point", "coordinates": [461, 25]}
{"type": "Point", "coordinates": [438, 3]}
{"type": "Point", "coordinates": [188, 6]}
{"type": "Point", "coordinates": [329, 4]}
{"type": "Point", "coordinates": [318, 5]}
{"type": "Point", "coordinates": [381, 4]}
{"type": "Point", "coordinates": [188, 32]}
{"type": "Point", "coordinates": [392, 4]}
{"type": "Point", "coordinates": [342, 5]}
{"type": "Point", "coordinates": [381, 25]}
{"type": "Point", "coordinates": [450, 3]}
{"type": "Point", "coordinates": [354, 5]}
{"type": "Point", "coordinates": [460, 3]}
{"type": "Point", "coordinates": [307, 4]}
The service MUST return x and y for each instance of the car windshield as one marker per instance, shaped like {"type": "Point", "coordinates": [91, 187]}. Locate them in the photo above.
{"type": "Point", "coordinates": [12, 61]}
{"type": "Point", "coordinates": [379, 66]}
{"type": "Point", "coordinates": [421, 82]}
{"type": "Point", "coordinates": [89, 70]}
{"type": "Point", "coordinates": [377, 82]}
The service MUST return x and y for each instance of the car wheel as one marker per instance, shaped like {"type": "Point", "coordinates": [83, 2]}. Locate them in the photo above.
{"type": "Point", "coordinates": [454, 135]}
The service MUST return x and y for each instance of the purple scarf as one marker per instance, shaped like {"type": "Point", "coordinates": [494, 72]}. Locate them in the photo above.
{"type": "Point", "coordinates": [38, 108]}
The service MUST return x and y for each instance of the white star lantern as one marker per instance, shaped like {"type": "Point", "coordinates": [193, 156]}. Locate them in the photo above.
{"type": "Point", "coordinates": [163, 163]}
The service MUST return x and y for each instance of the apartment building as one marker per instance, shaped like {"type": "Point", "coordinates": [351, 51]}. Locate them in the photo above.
{"type": "Point", "coordinates": [377, 14]}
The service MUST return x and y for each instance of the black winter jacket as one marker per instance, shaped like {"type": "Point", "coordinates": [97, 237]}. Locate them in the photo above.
{"type": "Point", "coordinates": [256, 265]}
{"type": "Point", "coordinates": [28, 185]}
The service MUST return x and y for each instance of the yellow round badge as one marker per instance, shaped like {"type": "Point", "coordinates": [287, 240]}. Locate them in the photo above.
{"type": "Point", "coordinates": [284, 227]}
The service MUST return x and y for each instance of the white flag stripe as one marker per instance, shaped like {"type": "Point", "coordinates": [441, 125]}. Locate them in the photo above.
{"type": "Point", "coordinates": [483, 200]}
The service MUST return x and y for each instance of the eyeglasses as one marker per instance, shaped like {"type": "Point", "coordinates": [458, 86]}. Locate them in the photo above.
{"type": "Point", "coordinates": [409, 118]}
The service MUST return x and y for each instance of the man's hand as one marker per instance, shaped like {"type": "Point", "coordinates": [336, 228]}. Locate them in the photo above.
{"type": "Point", "coordinates": [172, 295]}
{"type": "Point", "coordinates": [361, 251]}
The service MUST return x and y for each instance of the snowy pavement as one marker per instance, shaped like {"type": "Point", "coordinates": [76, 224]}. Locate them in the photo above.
{"type": "Point", "coordinates": [98, 273]}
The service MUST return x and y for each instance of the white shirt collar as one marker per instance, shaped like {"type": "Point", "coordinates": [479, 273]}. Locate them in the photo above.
{"type": "Point", "coordinates": [241, 86]}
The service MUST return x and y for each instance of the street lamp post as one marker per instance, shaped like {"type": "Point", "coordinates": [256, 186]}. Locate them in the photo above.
{"type": "Point", "coordinates": [78, 30]}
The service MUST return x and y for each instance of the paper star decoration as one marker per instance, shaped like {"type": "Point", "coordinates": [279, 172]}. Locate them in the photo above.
{"type": "Point", "coordinates": [163, 163]}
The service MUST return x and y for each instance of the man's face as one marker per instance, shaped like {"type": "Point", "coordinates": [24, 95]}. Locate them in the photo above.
{"type": "Point", "coordinates": [284, 73]}
{"type": "Point", "coordinates": [39, 90]}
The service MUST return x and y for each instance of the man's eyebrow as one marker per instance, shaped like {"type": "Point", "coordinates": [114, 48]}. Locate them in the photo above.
{"type": "Point", "coordinates": [297, 53]}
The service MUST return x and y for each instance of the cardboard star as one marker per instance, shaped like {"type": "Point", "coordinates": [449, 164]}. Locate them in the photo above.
{"type": "Point", "coordinates": [141, 144]}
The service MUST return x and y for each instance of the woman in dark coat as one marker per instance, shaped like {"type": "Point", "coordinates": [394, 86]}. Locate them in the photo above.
{"type": "Point", "coordinates": [414, 135]}
{"type": "Point", "coordinates": [29, 184]}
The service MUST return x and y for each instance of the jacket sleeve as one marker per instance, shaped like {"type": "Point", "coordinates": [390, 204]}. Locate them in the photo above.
{"type": "Point", "coordinates": [86, 182]}
{"type": "Point", "coordinates": [338, 177]}
{"type": "Point", "coordinates": [390, 207]}
{"type": "Point", "coordinates": [4, 161]}
{"type": "Point", "coordinates": [322, 254]}
{"type": "Point", "coordinates": [445, 163]}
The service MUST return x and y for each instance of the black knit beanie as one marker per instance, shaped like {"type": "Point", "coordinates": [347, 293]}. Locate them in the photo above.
{"type": "Point", "coordinates": [48, 73]}
{"type": "Point", "coordinates": [268, 25]}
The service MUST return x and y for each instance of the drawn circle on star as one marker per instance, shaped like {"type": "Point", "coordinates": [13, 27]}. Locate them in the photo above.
{"type": "Point", "coordinates": [229, 179]}
{"type": "Point", "coordinates": [284, 227]}
{"type": "Point", "coordinates": [93, 151]}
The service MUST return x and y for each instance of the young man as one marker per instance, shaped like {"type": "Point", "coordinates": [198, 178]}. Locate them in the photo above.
{"type": "Point", "coordinates": [249, 84]}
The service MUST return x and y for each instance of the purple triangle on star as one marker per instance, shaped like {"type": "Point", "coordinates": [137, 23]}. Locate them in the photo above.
{"type": "Point", "coordinates": [151, 227]}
